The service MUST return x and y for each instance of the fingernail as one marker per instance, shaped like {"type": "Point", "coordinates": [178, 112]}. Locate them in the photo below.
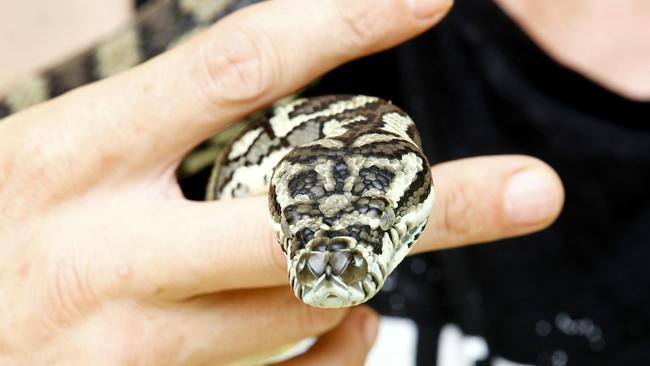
{"type": "Point", "coordinates": [370, 327]}
{"type": "Point", "coordinates": [531, 197]}
{"type": "Point", "coordinates": [428, 8]}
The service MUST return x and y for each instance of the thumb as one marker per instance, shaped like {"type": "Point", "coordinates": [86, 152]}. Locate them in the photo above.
{"type": "Point", "coordinates": [347, 344]}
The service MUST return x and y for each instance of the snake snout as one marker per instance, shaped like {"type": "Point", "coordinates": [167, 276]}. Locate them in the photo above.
{"type": "Point", "coordinates": [347, 265]}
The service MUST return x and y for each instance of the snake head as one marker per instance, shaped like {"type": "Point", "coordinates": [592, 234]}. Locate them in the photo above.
{"type": "Point", "coordinates": [338, 251]}
{"type": "Point", "coordinates": [346, 218]}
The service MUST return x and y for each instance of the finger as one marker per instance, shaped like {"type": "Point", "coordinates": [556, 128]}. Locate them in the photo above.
{"type": "Point", "coordinates": [347, 344]}
{"type": "Point", "coordinates": [488, 198]}
{"type": "Point", "coordinates": [215, 246]}
{"type": "Point", "coordinates": [263, 320]}
{"type": "Point", "coordinates": [201, 248]}
{"type": "Point", "coordinates": [164, 107]}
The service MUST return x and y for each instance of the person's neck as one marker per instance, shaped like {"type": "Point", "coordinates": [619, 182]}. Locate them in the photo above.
{"type": "Point", "coordinates": [607, 41]}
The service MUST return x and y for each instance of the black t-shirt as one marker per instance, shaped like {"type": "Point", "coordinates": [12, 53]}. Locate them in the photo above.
{"type": "Point", "coordinates": [577, 293]}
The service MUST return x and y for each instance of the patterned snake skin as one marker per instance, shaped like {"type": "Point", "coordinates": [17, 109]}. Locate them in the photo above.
{"type": "Point", "coordinates": [159, 26]}
{"type": "Point", "coordinates": [350, 191]}
{"type": "Point", "coordinates": [349, 187]}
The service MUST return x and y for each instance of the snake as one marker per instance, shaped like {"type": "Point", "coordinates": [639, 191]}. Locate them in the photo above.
{"type": "Point", "coordinates": [349, 187]}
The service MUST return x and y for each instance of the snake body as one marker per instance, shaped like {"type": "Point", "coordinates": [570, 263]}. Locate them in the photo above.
{"type": "Point", "coordinates": [158, 26]}
{"type": "Point", "coordinates": [349, 187]}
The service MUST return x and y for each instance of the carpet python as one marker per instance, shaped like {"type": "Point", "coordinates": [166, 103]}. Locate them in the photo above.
{"type": "Point", "coordinates": [349, 188]}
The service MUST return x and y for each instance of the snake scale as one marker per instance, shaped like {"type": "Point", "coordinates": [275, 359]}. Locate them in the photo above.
{"type": "Point", "coordinates": [349, 187]}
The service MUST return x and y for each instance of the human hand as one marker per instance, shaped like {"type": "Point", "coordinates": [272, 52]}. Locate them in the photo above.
{"type": "Point", "coordinates": [103, 260]}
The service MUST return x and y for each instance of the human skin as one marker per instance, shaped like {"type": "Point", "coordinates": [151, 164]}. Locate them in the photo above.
{"type": "Point", "coordinates": [102, 260]}
{"type": "Point", "coordinates": [605, 40]}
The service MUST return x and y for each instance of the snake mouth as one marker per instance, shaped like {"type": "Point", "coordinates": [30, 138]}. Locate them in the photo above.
{"type": "Point", "coordinates": [334, 271]}
{"type": "Point", "coordinates": [332, 293]}
{"type": "Point", "coordinates": [335, 288]}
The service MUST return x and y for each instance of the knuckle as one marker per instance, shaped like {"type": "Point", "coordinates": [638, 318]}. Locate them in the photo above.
{"type": "Point", "coordinates": [236, 66]}
{"type": "Point", "coordinates": [73, 282]}
{"type": "Point", "coordinates": [362, 25]}
{"type": "Point", "coordinates": [456, 211]}
{"type": "Point", "coordinates": [278, 258]}
{"type": "Point", "coordinates": [70, 295]}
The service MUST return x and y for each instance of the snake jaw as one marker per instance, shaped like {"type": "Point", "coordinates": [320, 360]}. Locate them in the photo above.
{"type": "Point", "coordinates": [327, 286]}
{"type": "Point", "coordinates": [331, 293]}
{"type": "Point", "coordinates": [335, 293]}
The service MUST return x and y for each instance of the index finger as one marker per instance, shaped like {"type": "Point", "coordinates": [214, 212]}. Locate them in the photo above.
{"type": "Point", "coordinates": [164, 107]}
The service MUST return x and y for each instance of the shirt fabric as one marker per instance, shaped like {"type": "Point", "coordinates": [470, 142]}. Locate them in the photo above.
{"type": "Point", "coordinates": [577, 293]}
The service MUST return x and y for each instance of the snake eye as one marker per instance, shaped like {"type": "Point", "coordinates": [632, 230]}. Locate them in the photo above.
{"type": "Point", "coordinates": [377, 208]}
{"type": "Point", "coordinates": [378, 203]}
{"type": "Point", "coordinates": [387, 218]}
